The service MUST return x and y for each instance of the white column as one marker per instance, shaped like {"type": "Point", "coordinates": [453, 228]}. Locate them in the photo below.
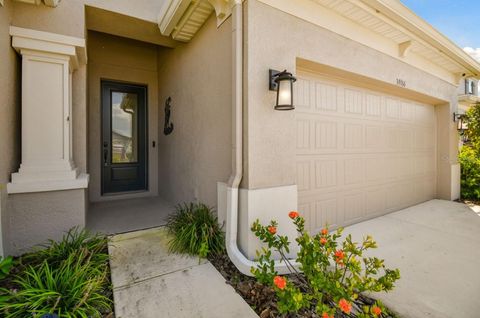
{"type": "Point", "coordinates": [48, 61]}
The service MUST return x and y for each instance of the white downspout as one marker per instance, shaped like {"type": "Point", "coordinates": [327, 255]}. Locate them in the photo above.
{"type": "Point", "coordinates": [236, 256]}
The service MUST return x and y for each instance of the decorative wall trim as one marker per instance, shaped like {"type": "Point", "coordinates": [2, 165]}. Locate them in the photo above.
{"type": "Point", "coordinates": [81, 182]}
{"type": "Point", "coordinates": [48, 3]}
{"type": "Point", "coordinates": [48, 61]}
{"type": "Point", "coordinates": [50, 42]}
{"type": "Point", "coordinates": [404, 47]}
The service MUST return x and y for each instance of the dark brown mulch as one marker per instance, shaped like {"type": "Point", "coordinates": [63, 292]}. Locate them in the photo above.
{"type": "Point", "coordinates": [468, 201]}
{"type": "Point", "coordinates": [262, 298]}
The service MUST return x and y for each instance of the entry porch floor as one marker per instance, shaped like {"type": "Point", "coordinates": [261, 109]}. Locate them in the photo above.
{"type": "Point", "coordinates": [120, 216]}
{"type": "Point", "coordinates": [436, 246]}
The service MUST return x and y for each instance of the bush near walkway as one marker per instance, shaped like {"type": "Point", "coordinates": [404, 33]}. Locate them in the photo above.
{"type": "Point", "coordinates": [469, 157]}
{"type": "Point", "coordinates": [70, 278]}
{"type": "Point", "coordinates": [334, 274]}
{"type": "Point", "coordinates": [195, 231]}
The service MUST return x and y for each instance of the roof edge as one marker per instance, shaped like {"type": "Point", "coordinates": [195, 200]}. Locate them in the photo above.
{"type": "Point", "coordinates": [398, 12]}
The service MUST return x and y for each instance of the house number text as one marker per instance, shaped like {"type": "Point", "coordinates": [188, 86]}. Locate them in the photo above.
{"type": "Point", "coordinates": [401, 82]}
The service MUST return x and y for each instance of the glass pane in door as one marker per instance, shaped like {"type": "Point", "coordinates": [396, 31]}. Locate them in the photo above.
{"type": "Point", "coordinates": [124, 127]}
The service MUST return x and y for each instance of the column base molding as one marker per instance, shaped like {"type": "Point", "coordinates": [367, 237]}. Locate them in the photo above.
{"type": "Point", "coordinates": [80, 182]}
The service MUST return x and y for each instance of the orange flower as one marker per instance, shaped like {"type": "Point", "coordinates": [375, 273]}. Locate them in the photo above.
{"type": "Point", "coordinates": [280, 282]}
{"type": "Point", "coordinates": [293, 215]}
{"type": "Point", "coordinates": [345, 306]}
{"type": "Point", "coordinates": [324, 232]}
{"type": "Point", "coordinates": [339, 256]}
{"type": "Point", "coordinates": [323, 241]}
{"type": "Point", "coordinates": [326, 315]}
{"type": "Point", "coordinates": [272, 229]}
{"type": "Point", "coordinates": [376, 311]}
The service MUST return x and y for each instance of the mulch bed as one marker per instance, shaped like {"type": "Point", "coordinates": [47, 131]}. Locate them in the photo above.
{"type": "Point", "coordinates": [262, 298]}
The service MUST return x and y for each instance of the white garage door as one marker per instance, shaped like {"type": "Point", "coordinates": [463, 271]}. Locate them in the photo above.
{"type": "Point", "coordinates": [360, 153]}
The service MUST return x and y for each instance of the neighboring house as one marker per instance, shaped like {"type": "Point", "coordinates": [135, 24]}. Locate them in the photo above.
{"type": "Point", "coordinates": [371, 133]}
{"type": "Point", "coordinates": [468, 93]}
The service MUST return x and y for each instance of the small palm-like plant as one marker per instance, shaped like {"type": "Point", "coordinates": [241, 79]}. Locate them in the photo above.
{"type": "Point", "coordinates": [75, 241]}
{"type": "Point", "coordinates": [195, 231]}
{"type": "Point", "coordinates": [74, 288]}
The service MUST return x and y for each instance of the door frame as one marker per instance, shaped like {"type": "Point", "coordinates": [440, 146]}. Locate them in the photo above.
{"type": "Point", "coordinates": [101, 137]}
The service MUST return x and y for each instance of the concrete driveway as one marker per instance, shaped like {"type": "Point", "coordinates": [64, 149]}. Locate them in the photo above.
{"type": "Point", "coordinates": [436, 246]}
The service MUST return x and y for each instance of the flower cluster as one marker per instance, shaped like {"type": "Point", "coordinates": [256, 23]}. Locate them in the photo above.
{"type": "Point", "coordinates": [334, 273]}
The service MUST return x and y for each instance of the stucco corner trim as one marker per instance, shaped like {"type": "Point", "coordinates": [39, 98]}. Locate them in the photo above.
{"type": "Point", "coordinates": [81, 182]}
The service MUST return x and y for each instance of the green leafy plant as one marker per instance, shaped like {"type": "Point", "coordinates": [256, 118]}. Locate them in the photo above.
{"type": "Point", "coordinates": [75, 241]}
{"type": "Point", "coordinates": [469, 156]}
{"type": "Point", "coordinates": [334, 273]}
{"type": "Point", "coordinates": [195, 231]}
{"type": "Point", "coordinates": [473, 121]}
{"type": "Point", "coordinates": [470, 176]}
{"type": "Point", "coordinates": [74, 288]}
{"type": "Point", "coordinates": [69, 278]}
{"type": "Point", "coordinates": [6, 265]}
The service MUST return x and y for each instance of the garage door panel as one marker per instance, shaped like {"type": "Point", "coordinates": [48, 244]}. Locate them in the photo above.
{"type": "Point", "coordinates": [325, 135]}
{"type": "Point", "coordinates": [354, 206]}
{"type": "Point", "coordinates": [325, 97]}
{"type": "Point", "coordinates": [360, 153]}
{"type": "Point", "coordinates": [353, 102]}
{"type": "Point", "coordinates": [375, 200]}
{"type": "Point", "coordinates": [373, 107]}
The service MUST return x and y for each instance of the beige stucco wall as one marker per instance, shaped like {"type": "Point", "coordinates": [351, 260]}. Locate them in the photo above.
{"type": "Point", "coordinates": [33, 218]}
{"type": "Point", "coordinates": [270, 135]}
{"type": "Point", "coordinates": [197, 76]}
{"type": "Point", "coordinates": [124, 60]}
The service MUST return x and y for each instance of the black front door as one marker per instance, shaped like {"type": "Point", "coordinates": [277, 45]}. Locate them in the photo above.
{"type": "Point", "coordinates": [124, 137]}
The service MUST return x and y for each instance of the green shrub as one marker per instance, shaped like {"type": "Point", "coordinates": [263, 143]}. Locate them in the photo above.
{"type": "Point", "coordinates": [75, 241]}
{"type": "Point", "coordinates": [470, 176]}
{"type": "Point", "coordinates": [73, 289]}
{"type": "Point", "coordinates": [195, 231]}
{"type": "Point", "coordinates": [70, 278]}
{"type": "Point", "coordinates": [6, 265]}
{"type": "Point", "coordinates": [334, 273]}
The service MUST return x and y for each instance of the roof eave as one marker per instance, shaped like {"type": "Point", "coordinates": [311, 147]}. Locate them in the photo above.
{"type": "Point", "coordinates": [401, 14]}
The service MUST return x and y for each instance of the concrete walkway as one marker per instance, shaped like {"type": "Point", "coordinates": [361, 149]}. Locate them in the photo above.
{"type": "Point", "coordinates": [436, 246]}
{"type": "Point", "coordinates": [150, 283]}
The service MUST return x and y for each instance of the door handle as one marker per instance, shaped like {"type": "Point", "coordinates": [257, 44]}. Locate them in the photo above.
{"type": "Point", "coordinates": [105, 156]}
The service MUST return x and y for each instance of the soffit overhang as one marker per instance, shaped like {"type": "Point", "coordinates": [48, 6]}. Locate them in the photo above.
{"type": "Point", "coordinates": [181, 19]}
{"type": "Point", "coordinates": [393, 20]}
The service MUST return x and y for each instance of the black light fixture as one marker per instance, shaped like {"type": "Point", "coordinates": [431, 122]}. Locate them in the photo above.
{"type": "Point", "coordinates": [462, 125]}
{"type": "Point", "coordinates": [461, 120]}
{"type": "Point", "coordinates": [282, 83]}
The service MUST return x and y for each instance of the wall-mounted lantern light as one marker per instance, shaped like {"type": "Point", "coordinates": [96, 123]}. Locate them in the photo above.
{"type": "Point", "coordinates": [461, 120]}
{"type": "Point", "coordinates": [282, 83]}
{"type": "Point", "coordinates": [462, 124]}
